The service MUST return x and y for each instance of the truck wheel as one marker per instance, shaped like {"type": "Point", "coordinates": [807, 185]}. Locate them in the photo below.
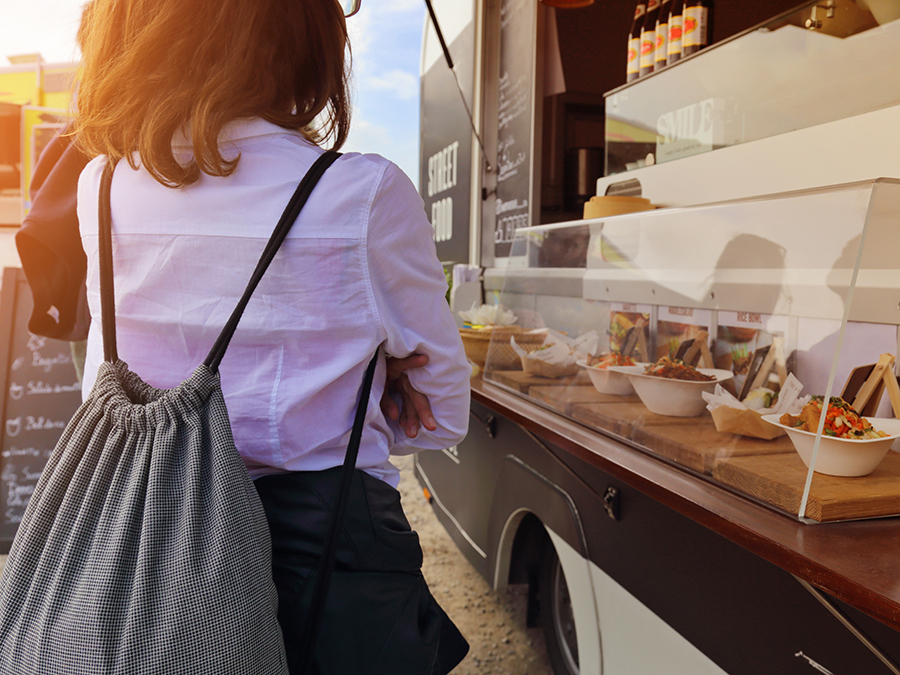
{"type": "Point", "coordinates": [557, 617]}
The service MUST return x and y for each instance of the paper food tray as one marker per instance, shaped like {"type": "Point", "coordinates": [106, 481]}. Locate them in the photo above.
{"type": "Point", "coordinates": [744, 422]}
{"type": "Point", "coordinates": [533, 366]}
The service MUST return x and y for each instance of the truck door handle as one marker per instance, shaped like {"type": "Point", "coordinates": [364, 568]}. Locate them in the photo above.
{"type": "Point", "coordinates": [489, 422]}
{"type": "Point", "coordinates": [611, 502]}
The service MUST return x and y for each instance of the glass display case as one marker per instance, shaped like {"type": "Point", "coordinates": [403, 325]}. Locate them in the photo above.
{"type": "Point", "coordinates": [760, 303]}
{"type": "Point", "coordinates": [778, 77]}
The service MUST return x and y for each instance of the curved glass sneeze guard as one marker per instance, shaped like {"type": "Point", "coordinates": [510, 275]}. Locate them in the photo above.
{"type": "Point", "coordinates": [776, 78]}
{"type": "Point", "coordinates": [795, 294]}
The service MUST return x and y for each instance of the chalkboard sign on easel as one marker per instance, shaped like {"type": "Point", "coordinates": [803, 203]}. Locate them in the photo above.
{"type": "Point", "coordinates": [518, 20]}
{"type": "Point", "coordinates": [39, 393]}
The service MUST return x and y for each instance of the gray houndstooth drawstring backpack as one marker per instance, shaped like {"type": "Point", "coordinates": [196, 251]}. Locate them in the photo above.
{"type": "Point", "coordinates": [145, 548]}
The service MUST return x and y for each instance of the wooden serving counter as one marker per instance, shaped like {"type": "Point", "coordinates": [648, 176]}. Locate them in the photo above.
{"type": "Point", "coordinates": [768, 470]}
{"type": "Point", "coordinates": [681, 463]}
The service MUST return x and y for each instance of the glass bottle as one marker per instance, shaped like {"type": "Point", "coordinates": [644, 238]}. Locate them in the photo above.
{"type": "Point", "coordinates": [634, 42]}
{"type": "Point", "coordinates": [662, 35]}
{"type": "Point", "coordinates": [648, 38]}
{"type": "Point", "coordinates": [673, 43]}
{"type": "Point", "coordinates": [697, 23]}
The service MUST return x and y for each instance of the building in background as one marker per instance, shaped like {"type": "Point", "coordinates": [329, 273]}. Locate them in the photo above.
{"type": "Point", "coordinates": [35, 102]}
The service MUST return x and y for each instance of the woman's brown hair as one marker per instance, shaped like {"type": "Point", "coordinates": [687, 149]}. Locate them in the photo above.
{"type": "Point", "coordinates": [154, 68]}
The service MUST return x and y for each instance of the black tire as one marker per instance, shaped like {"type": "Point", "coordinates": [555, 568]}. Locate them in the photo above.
{"type": "Point", "coordinates": [557, 618]}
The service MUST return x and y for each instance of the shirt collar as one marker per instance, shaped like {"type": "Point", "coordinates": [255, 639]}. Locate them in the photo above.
{"type": "Point", "coordinates": [238, 130]}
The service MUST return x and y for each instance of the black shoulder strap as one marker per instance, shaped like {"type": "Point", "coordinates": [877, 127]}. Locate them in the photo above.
{"type": "Point", "coordinates": [107, 286]}
{"type": "Point", "coordinates": [314, 618]}
{"type": "Point", "coordinates": [107, 292]}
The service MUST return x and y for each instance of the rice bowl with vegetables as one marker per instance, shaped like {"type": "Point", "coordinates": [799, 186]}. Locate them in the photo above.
{"type": "Point", "coordinates": [841, 420]}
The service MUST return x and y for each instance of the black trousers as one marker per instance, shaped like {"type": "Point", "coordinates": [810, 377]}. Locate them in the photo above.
{"type": "Point", "coordinates": [380, 617]}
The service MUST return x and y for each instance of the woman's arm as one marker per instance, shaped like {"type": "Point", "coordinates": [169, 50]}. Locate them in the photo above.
{"type": "Point", "coordinates": [413, 409]}
{"type": "Point", "coordinates": [409, 288]}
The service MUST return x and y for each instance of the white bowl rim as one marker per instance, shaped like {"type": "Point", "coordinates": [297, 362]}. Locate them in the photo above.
{"type": "Point", "coordinates": [772, 418]}
{"type": "Point", "coordinates": [720, 374]}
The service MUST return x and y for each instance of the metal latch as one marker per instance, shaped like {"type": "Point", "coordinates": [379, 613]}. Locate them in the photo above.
{"type": "Point", "coordinates": [611, 502]}
{"type": "Point", "coordinates": [489, 422]}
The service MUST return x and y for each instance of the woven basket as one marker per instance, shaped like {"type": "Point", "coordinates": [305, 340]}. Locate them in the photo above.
{"type": "Point", "coordinates": [491, 346]}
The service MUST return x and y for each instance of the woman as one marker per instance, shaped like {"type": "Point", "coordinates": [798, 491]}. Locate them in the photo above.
{"type": "Point", "coordinates": [213, 111]}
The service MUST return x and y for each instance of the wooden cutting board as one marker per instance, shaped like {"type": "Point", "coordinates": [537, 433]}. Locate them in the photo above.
{"type": "Point", "coordinates": [522, 383]}
{"type": "Point", "coordinates": [780, 479]}
{"type": "Point", "coordinates": [700, 446]}
{"type": "Point", "coordinates": [630, 411]}
{"type": "Point", "coordinates": [604, 414]}
{"type": "Point", "coordinates": [692, 442]}
{"type": "Point", "coordinates": [564, 400]}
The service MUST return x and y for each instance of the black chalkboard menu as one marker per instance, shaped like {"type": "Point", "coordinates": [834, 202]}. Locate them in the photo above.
{"type": "Point", "coordinates": [518, 19]}
{"type": "Point", "coordinates": [40, 393]}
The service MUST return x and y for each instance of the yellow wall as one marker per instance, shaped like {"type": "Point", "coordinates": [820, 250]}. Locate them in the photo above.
{"type": "Point", "coordinates": [48, 85]}
{"type": "Point", "coordinates": [19, 85]}
{"type": "Point", "coordinates": [58, 81]}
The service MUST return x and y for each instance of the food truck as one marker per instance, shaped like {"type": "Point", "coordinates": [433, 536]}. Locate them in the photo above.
{"type": "Point", "coordinates": [733, 216]}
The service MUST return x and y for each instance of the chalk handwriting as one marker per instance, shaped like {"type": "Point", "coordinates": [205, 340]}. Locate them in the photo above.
{"type": "Point", "coordinates": [41, 387]}
{"type": "Point", "coordinates": [47, 363]}
{"type": "Point", "coordinates": [40, 423]}
{"type": "Point", "coordinates": [36, 342]}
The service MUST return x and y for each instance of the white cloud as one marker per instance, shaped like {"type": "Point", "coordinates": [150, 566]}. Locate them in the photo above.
{"type": "Point", "coordinates": [367, 137]}
{"type": "Point", "coordinates": [399, 5]}
{"type": "Point", "coordinates": [359, 30]}
{"type": "Point", "coordinates": [402, 83]}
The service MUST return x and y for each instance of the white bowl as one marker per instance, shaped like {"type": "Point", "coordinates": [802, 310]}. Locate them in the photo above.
{"type": "Point", "coordinates": [671, 397]}
{"type": "Point", "coordinates": [608, 381]}
{"type": "Point", "coordinates": [843, 456]}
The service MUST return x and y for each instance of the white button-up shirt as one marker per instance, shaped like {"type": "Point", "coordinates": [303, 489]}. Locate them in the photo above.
{"type": "Point", "coordinates": [357, 270]}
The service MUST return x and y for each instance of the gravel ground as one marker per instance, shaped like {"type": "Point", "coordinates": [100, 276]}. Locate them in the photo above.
{"type": "Point", "coordinates": [492, 622]}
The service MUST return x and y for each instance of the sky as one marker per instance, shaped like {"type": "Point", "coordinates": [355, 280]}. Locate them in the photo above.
{"type": "Point", "coordinates": [385, 38]}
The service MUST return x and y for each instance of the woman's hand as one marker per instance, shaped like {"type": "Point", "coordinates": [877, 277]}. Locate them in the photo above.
{"type": "Point", "coordinates": [414, 410]}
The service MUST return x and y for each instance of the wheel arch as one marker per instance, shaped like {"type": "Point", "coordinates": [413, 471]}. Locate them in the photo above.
{"type": "Point", "coordinates": [530, 513]}
{"type": "Point", "coordinates": [523, 495]}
